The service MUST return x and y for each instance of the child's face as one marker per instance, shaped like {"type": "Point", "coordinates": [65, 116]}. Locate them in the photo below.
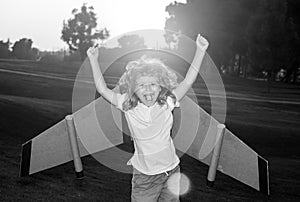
{"type": "Point", "coordinates": [147, 89]}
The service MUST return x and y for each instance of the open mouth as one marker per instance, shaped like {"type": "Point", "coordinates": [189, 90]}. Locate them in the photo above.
{"type": "Point", "coordinates": [149, 97]}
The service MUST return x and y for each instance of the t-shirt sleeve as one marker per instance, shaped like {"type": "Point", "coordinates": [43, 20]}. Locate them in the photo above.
{"type": "Point", "coordinates": [121, 99]}
{"type": "Point", "coordinates": [171, 103]}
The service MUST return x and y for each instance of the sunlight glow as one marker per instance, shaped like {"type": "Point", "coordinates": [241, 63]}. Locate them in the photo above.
{"type": "Point", "coordinates": [184, 185]}
{"type": "Point", "coordinates": [42, 21]}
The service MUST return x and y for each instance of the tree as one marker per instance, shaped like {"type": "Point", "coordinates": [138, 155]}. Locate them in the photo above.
{"type": "Point", "coordinates": [4, 49]}
{"type": "Point", "coordinates": [80, 32]}
{"type": "Point", "coordinates": [34, 54]}
{"type": "Point", "coordinates": [293, 53]}
{"type": "Point", "coordinates": [22, 49]}
{"type": "Point", "coordinates": [269, 37]}
{"type": "Point", "coordinates": [131, 41]}
{"type": "Point", "coordinates": [222, 22]}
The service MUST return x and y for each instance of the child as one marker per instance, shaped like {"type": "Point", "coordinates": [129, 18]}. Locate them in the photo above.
{"type": "Point", "coordinates": [149, 93]}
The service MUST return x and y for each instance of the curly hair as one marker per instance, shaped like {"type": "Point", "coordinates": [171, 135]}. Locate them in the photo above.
{"type": "Point", "coordinates": [146, 66]}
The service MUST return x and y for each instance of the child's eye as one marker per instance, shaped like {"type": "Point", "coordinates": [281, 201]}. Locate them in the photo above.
{"type": "Point", "coordinates": [140, 85]}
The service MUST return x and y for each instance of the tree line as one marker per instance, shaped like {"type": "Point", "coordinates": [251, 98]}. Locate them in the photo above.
{"type": "Point", "coordinates": [21, 49]}
{"type": "Point", "coordinates": [256, 38]}
{"type": "Point", "coordinates": [246, 37]}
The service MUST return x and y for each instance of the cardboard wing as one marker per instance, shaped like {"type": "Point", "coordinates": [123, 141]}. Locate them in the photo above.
{"type": "Point", "coordinates": [52, 147]}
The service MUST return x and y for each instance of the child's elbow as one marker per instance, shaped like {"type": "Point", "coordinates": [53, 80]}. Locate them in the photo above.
{"type": "Point", "coordinates": [101, 90]}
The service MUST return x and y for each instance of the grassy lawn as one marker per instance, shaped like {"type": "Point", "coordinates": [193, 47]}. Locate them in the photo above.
{"type": "Point", "coordinates": [29, 105]}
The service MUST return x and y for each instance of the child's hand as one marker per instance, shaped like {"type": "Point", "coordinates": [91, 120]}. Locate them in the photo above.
{"type": "Point", "coordinates": [201, 42]}
{"type": "Point", "coordinates": [93, 53]}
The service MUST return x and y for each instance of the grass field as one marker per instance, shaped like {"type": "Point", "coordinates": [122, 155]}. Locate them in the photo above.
{"type": "Point", "coordinates": [31, 104]}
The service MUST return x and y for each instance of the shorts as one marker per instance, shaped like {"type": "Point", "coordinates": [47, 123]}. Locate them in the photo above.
{"type": "Point", "coordinates": [160, 187]}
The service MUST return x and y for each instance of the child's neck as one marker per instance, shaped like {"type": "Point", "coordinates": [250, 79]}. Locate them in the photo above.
{"type": "Point", "coordinates": [147, 105]}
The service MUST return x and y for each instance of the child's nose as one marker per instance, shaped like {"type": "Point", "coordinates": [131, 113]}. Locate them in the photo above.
{"type": "Point", "coordinates": [146, 87]}
{"type": "Point", "coordinates": [150, 87]}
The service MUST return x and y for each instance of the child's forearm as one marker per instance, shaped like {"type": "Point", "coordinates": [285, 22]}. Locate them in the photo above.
{"type": "Point", "coordinates": [193, 71]}
{"type": "Point", "coordinates": [98, 77]}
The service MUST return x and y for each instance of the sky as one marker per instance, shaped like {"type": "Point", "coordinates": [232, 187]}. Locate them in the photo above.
{"type": "Point", "coordinates": [42, 20]}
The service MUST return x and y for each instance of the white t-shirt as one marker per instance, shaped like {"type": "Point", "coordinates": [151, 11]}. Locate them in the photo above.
{"type": "Point", "coordinates": [150, 129]}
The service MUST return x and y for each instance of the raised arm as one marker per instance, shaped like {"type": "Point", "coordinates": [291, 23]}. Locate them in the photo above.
{"type": "Point", "coordinates": [101, 86]}
{"type": "Point", "coordinates": [192, 73]}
